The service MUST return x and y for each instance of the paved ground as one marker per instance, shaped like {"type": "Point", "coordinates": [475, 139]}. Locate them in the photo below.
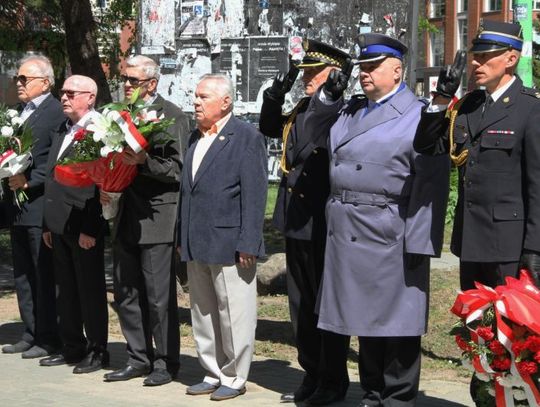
{"type": "Point", "coordinates": [24, 383]}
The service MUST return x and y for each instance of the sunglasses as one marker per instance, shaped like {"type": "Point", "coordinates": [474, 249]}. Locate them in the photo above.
{"type": "Point", "coordinates": [133, 81]}
{"type": "Point", "coordinates": [72, 93]}
{"type": "Point", "coordinates": [23, 79]}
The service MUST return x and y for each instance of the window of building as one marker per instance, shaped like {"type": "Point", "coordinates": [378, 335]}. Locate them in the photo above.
{"type": "Point", "coordinates": [437, 8]}
{"type": "Point", "coordinates": [463, 30]}
{"type": "Point", "coordinates": [492, 5]}
{"type": "Point", "coordinates": [536, 5]}
{"type": "Point", "coordinates": [436, 44]}
{"type": "Point", "coordinates": [462, 6]}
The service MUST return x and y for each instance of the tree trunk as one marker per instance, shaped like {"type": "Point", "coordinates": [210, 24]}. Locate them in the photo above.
{"type": "Point", "coordinates": [81, 45]}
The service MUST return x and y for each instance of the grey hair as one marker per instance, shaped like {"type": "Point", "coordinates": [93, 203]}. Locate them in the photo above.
{"type": "Point", "coordinates": [225, 82]}
{"type": "Point", "coordinates": [148, 65]}
{"type": "Point", "coordinates": [43, 64]}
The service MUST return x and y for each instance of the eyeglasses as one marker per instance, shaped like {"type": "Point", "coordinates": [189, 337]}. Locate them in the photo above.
{"type": "Point", "coordinates": [23, 79]}
{"type": "Point", "coordinates": [72, 93]}
{"type": "Point", "coordinates": [134, 81]}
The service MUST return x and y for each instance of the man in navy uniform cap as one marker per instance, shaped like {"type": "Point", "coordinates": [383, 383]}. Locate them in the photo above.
{"type": "Point", "coordinates": [495, 141]}
{"type": "Point", "coordinates": [299, 211]}
{"type": "Point", "coordinates": [492, 135]}
{"type": "Point", "coordinates": [385, 218]}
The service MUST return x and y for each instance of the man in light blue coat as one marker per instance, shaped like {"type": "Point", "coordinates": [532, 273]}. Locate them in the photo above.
{"type": "Point", "coordinates": [385, 219]}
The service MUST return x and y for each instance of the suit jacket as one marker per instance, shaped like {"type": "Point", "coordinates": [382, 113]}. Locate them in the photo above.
{"type": "Point", "coordinates": [69, 210]}
{"type": "Point", "coordinates": [43, 123]}
{"type": "Point", "coordinates": [498, 208]}
{"type": "Point", "coordinates": [149, 205]}
{"type": "Point", "coordinates": [302, 194]}
{"type": "Point", "coordinates": [222, 209]}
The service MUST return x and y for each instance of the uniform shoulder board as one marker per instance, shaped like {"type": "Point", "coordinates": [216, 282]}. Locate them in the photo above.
{"type": "Point", "coordinates": [531, 92]}
{"type": "Point", "coordinates": [355, 103]}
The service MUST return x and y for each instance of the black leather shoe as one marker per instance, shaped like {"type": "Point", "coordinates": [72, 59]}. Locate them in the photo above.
{"type": "Point", "coordinates": [324, 396]}
{"type": "Point", "coordinates": [127, 373]}
{"type": "Point", "coordinates": [53, 360]}
{"type": "Point", "coordinates": [302, 393]}
{"type": "Point", "coordinates": [92, 362]}
{"type": "Point", "coordinates": [158, 377]}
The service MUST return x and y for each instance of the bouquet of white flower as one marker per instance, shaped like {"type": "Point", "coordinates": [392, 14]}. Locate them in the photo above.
{"type": "Point", "coordinates": [15, 146]}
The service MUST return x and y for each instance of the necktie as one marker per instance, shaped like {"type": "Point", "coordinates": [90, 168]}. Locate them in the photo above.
{"type": "Point", "coordinates": [487, 105]}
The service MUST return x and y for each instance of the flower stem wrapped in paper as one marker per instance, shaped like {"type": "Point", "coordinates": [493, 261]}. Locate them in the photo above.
{"type": "Point", "coordinates": [499, 334]}
{"type": "Point", "coordinates": [15, 147]}
{"type": "Point", "coordinates": [101, 146]}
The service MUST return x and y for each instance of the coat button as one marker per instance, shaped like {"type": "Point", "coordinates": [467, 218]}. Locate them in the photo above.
{"type": "Point", "coordinates": [469, 204]}
{"type": "Point", "coordinates": [497, 142]}
{"type": "Point", "coordinates": [304, 173]}
{"type": "Point", "coordinates": [515, 214]}
{"type": "Point", "coordinates": [474, 143]}
{"type": "Point", "coordinates": [292, 169]}
{"type": "Point", "coordinates": [471, 163]}
{"type": "Point", "coordinates": [353, 238]}
{"type": "Point", "coordinates": [315, 152]}
{"type": "Point", "coordinates": [289, 189]}
{"type": "Point", "coordinates": [469, 183]}
{"type": "Point", "coordinates": [358, 167]}
{"type": "Point", "coordinates": [301, 195]}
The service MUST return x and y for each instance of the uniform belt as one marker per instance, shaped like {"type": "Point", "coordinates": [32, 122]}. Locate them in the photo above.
{"type": "Point", "coordinates": [364, 198]}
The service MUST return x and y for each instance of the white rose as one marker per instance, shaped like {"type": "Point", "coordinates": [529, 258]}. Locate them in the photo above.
{"type": "Point", "coordinates": [519, 394]}
{"type": "Point", "coordinates": [17, 121]}
{"type": "Point", "coordinates": [12, 113]}
{"type": "Point", "coordinates": [6, 131]}
{"type": "Point", "coordinates": [483, 377]}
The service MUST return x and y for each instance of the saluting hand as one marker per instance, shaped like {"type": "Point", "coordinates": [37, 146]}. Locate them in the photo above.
{"type": "Point", "coordinates": [450, 76]}
{"type": "Point", "coordinates": [282, 83]}
{"type": "Point", "coordinates": [338, 80]}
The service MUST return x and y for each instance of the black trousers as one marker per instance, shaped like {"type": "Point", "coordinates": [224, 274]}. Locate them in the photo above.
{"type": "Point", "coordinates": [145, 293]}
{"type": "Point", "coordinates": [322, 354]}
{"type": "Point", "coordinates": [490, 274]}
{"type": "Point", "coordinates": [81, 296]}
{"type": "Point", "coordinates": [389, 370]}
{"type": "Point", "coordinates": [35, 287]}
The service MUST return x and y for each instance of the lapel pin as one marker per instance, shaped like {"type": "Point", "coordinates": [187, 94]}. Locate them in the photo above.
{"type": "Point", "coordinates": [506, 99]}
{"type": "Point", "coordinates": [221, 138]}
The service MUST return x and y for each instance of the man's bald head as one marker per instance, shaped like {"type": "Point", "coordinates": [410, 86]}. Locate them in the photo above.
{"type": "Point", "coordinates": [78, 96]}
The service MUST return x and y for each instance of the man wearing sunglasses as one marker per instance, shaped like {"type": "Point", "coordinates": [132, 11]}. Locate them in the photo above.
{"type": "Point", "coordinates": [74, 229]}
{"type": "Point", "coordinates": [144, 234]}
{"type": "Point", "coordinates": [32, 260]}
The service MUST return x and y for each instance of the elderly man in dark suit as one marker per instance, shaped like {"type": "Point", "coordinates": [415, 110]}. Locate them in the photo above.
{"type": "Point", "coordinates": [299, 212]}
{"type": "Point", "coordinates": [32, 260]}
{"type": "Point", "coordinates": [144, 235]}
{"type": "Point", "coordinates": [222, 210]}
{"type": "Point", "coordinates": [74, 228]}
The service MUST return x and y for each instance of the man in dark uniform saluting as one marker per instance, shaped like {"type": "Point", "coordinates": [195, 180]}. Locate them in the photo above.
{"type": "Point", "coordinates": [300, 204]}
{"type": "Point", "coordinates": [495, 141]}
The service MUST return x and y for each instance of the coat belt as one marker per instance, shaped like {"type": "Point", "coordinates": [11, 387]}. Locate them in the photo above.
{"type": "Point", "coordinates": [364, 198]}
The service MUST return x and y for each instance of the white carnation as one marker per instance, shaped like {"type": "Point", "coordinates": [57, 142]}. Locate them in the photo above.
{"type": "Point", "coordinates": [483, 377]}
{"type": "Point", "coordinates": [519, 394]}
{"type": "Point", "coordinates": [12, 113]}
{"type": "Point", "coordinates": [6, 131]}
{"type": "Point", "coordinates": [17, 121]}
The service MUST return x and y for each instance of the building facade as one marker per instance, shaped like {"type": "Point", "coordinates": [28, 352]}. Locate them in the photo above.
{"type": "Point", "coordinates": [456, 23]}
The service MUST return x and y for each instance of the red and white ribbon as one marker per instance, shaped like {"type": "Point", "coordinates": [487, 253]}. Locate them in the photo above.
{"type": "Point", "coordinates": [133, 137]}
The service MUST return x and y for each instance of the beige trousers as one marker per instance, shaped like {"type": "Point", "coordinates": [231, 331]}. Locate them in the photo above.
{"type": "Point", "coordinates": [224, 317]}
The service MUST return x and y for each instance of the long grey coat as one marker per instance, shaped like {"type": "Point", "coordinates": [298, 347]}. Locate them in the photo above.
{"type": "Point", "coordinates": [386, 200]}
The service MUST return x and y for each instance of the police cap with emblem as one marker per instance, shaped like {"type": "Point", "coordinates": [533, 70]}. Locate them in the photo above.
{"type": "Point", "coordinates": [497, 36]}
{"type": "Point", "coordinates": [376, 47]}
{"type": "Point", "coordinates": [318, 54]}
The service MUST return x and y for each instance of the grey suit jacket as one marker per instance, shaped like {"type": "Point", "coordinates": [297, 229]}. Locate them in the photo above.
{"type": "Point", "coordinates": [148, 207]}
{"type": "Point", "coordinates": [222, 208]}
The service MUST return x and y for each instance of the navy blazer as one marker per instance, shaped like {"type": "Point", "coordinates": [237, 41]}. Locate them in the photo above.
{"type": "Point", "coordinates": [222, 209]}
{"type": "Point", "coordinates": [43, 122]}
